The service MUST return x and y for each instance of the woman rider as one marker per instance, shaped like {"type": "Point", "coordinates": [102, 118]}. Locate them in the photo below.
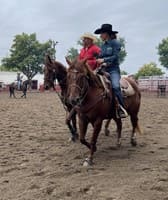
{"type": "Point", "coordinates": [109, 57]}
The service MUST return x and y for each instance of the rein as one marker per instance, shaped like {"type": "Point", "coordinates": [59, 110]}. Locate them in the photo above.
{"type": "Point", "coordinates": [83, 91]}
{"type": "Point", "coordinates": [61, 97]}
{"type": "Point", "coordinates": [88, 107]}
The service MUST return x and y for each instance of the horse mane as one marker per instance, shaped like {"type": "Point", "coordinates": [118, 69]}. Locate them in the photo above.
{"type": "Point", "coordinates": [93, 77]}
{"type": "Point", "coordinates": [62, 68]}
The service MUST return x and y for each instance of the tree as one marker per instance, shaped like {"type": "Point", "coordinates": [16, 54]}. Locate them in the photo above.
{"type": "Point", "coordinates": [150, 69]}
{"type": "Point", "coordinates": [123, 52]}
{"type": "Point", "coordinates": [27, 55]}
{"type": "Point", "coordinates": [163, 52]}
{"type": "Point", "coordinates": [73, 52]}
{"type": "Point", "coordinates": [124, 72]}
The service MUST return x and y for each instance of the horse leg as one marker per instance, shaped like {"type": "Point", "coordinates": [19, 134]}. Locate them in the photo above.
{"type": "Point", "coordinates": [134, 121]}
{"type": "Point", "coordinates": [14, 94]}
{"type": "Point", "coordinates": [25, 94]}
{"type": "Point", "coordinates": [97, 127]}
{"type": "Point", "coordinates": [10, 94]}
{"type": "Point", "coordinates": [72, 127]}
{"type": "Point", "coordinates": [83, 124]}
{"type": "Point", "coordinates": [119, 129]}
{"type": "Point", "coordinates": [71, 131]}
{"type": "Point", "coordinates": [106, 130]}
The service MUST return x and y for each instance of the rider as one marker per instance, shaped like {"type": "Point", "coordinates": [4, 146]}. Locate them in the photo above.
{"type": "Point", "coordinates": [89, 50]}
{"type": "Point", "coordinates": [109, 58]}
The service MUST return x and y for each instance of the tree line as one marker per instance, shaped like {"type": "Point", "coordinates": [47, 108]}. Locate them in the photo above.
{"type": "Point", "coordinates": [27, 56]}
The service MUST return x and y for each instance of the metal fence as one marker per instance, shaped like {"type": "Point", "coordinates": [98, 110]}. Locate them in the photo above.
{"type": "Point", "coordinates": [153, 83]}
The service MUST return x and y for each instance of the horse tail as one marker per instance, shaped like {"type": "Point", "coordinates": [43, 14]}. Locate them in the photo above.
{"type": "Point", "coordinates": [138, 129]}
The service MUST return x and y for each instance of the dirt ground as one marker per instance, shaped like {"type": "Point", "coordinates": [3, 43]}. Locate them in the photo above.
{"type": "Point", "coordinates": [38, 163]}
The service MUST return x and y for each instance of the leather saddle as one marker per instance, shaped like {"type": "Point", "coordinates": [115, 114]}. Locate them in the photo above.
{"type": "Point", "coordinates": [126, 88]}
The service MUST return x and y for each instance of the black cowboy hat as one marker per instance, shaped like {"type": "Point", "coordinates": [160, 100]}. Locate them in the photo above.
{"type": "Point", "coordinates": [105, 28]}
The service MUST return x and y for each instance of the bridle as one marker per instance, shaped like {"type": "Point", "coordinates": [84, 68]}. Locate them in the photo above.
{"type": "Point", "coordinates": [83, 91]}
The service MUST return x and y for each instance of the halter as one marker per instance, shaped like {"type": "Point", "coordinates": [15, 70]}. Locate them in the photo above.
{"type": "Point", "coordinates": [82, 90]}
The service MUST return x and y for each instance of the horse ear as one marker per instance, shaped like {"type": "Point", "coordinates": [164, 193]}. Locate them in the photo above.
{"type": "Point", "coordinates": [68, 61]}
{"type": "Point", "coordinates": [48, 61]}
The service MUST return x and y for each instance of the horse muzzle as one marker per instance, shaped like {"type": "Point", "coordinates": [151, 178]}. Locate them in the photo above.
{"type": "Point", "coordinates": [74, 101]}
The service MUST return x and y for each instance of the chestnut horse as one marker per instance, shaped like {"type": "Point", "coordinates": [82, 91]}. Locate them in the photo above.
{"type": "Point", "coordinates": [93, 105]}
{"type": "Point", "coordinates": [55, 70]}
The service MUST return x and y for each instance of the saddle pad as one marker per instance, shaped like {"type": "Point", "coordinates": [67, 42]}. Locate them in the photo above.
{"type": "Point", "coordinates": [126, 88]}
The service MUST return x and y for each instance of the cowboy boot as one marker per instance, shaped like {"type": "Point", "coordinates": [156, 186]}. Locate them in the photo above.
{"type": "Point", "coordinates": [120, 110]}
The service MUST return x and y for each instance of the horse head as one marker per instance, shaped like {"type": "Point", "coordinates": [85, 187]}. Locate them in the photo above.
{"type": "Point", "coordinates": [53, 70]}
{"type": "Point", "coordinates": [79, 79]}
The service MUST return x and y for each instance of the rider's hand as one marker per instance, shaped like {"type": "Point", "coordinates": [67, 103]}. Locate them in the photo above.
{"type": "Point", "coordinates": [100, 61]}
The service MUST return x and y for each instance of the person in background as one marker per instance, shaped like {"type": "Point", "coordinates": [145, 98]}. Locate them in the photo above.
{"type": "Point", "coordinates": [109, 58]}
{"type": "Point", "coordinates": [89, 50]}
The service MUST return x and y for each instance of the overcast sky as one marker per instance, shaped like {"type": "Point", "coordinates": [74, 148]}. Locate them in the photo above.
{"type": "Point", "coordinates": [143, 24]}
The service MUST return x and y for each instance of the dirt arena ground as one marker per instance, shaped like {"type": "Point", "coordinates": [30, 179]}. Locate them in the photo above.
{"type": "Point", "coordinates": [38, 163]}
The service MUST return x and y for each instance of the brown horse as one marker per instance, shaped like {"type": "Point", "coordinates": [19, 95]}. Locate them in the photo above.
{"type": "Point", "coordinates": [55, 70]}
{"type": "Point", "coordinates": [93, 105]}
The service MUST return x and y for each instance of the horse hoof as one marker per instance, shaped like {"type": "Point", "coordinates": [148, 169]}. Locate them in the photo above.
{"type": "Point", "coordinates": [107, 132]}
{"type": "Point", "coordinates": [72, 139]}
{"type": "Point", "coordinates": [88, 162]}
{"type": "Point", "coordinates": [133, 142]}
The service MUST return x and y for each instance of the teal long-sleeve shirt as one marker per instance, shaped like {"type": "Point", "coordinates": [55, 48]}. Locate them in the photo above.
{"type": "Point", "coordinates": [110, 52]}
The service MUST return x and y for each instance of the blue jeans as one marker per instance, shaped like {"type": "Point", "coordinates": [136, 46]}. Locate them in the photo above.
{"type": "Point", "coordinates": [115, 81]}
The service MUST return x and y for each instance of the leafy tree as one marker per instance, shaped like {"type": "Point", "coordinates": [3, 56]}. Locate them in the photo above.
{"type": "Point", "coordinates": [27, 55]}
{"type": "Point", "coordinates": [163, 52]}
{"type": "Point", "coordinates": [123, 52]}
{"type": "Point", "coordinates": [124, 72]}
{"type": "Point", "coordinates": [150, 69]}
{"type": "Point", "coordinates": [4, 69]}
{"type": "Point", "coordinates": [73, 52]}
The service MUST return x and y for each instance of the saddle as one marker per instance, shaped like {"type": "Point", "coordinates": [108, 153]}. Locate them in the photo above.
{"type": "Point", "coordinates": [104, 79]}
{"type": "Point", "coordinates": [126, 88]}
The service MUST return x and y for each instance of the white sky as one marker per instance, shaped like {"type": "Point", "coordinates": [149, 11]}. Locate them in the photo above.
{"type": "Point", "coordinates": [143, 24]}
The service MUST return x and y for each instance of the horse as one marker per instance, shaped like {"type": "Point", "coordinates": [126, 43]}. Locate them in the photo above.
{"type": "Point", "coordinates": [93, 105]}
{"type": "Point", "coordinates": [24, 87]}
{"type": "Point", "coordinates": [12, 88]}
{"type": "Point", "coordinates": [55, 70]}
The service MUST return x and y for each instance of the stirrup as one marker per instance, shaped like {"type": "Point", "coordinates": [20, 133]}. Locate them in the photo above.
{"type": "Point", "coordinates": [124, 114]}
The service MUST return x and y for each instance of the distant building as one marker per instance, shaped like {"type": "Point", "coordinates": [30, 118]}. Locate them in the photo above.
{"type": "Point", "coordinates": [9, 77]}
